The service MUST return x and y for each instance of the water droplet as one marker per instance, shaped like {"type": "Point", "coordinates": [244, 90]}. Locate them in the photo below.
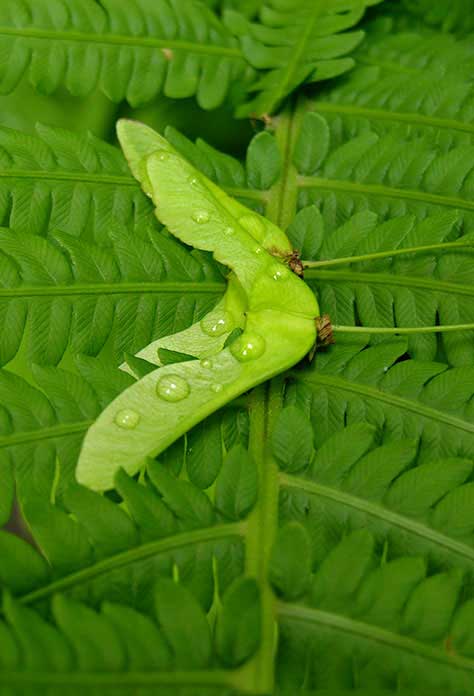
{"type": "Point", "coordinates": [200, 216]}
{"type": "Point", "coordinates": [258, 250]}
{"type": "Point", "coordinates": [229, 231]}
{"type": "Point", "coordinates": [162, 156]}
{"type": "Point", "coordinates": [248, 347]}
{"type": "Point", "coordinates": [217, 325]}
{"type": "Point", "coordinates": [206, 363]}
{"type": "Point", "coordinates": [217, 388]}
{"type": "Point", "coordinates": [126, 418]}
{"type": "Point", "coordinates": [193, 180]}
{"type": "Point", "coordinates": [150, 195]}
{"type": "Point", "coordinates": [172, 388]}
{"type": "Point", "coordinates": [279, 272]}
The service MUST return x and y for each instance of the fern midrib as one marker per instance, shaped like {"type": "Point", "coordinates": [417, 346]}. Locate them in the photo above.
{"type": "Point", "coordinates": [387, 65]}
{"type": "Point", "coordinates": [112, 179]}
{"type": "Point", "coordinates": [44, 433]}
{"type": "Point", "coordinates": [403, 117]}
{"type": "Point", "coordinates": [134, 555]}
{"type": "Point", "coordinates": [389, 279]}
{"type": "Point", "coordinates": [130, 679]}
{"type": "Point", "coordinates": [265, 403]}
{"type": "Point", "coordinates": [298, 50]}
{"type": "Point", "coordinates": [164, 287]}
{"type": "Point", "coordinates": [316, 182]}
{"type": "Point", "coordinates": [122, 40]}
{"type": "Point", "coordinates": [359, 629]}
{"type": "Point", "coordinates": [400, 402]}
{"type": "Point", "coordinates": [378, 511]}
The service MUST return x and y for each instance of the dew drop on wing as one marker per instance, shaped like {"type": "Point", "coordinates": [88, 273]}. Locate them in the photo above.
{"type": "Point", "coordinates": [201, 216]}
{"type": "Point", "coordinates": [248, 347]}
{"type": "Point", "coordinates": [127, 418]}
{"type": "Point", "coordinates": [217, 325]}
{"type": "Point", "coordinates": [172, 388]}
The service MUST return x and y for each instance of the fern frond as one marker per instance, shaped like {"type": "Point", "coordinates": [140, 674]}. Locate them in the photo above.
{"type": "Point", "coordinates": [134, 52]}
{"type": "Point", "coordinates": [450, 15]}
{"type": "Point", "coordinates": [368, 621]}
{"type": "Point", "coordinates": [106, 277]}
{"type": "Point", "coordinates": [412, 290]}
{"type": "Point", "coordinates": [296, 42]}
{"type": "Point", "coordinates": [394, 447]}
{"type": "Point", "coordinates": [405, 84]}
{"type": "Point", "coordinates": [62, 292]}
{"type": "Point", "coordinates": [77, 183]}
{"type": "Point", "coordinates": [115, 649]}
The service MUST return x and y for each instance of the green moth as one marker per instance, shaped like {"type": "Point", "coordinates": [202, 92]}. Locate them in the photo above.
{"type": "Point", "coordinates": [271, 305]}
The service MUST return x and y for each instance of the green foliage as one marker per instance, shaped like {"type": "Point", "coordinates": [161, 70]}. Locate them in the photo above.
{"type": "Point", "coordinates": [131, 53]}
{"type": "Point", "coordinates": [375, 600]}
{"type": "Point", "coordinates": [316, 536]}
{"type": "Point", "coordinates": [296, 42]}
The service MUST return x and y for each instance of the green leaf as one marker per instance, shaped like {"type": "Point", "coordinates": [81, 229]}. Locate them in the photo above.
{"type": "Point", "coordinates": [238, 631]}
{"type": "Point", "coordinates": [312, 145]}
{"type": "Point", "coordinates": [290, 564]}
{"type": "Point", "coordinates": [184, 625]}
{"type": "Point", "coordinates": [110, 529]}
{"type": "Point", "coordinates": [427, 614]}
{"type": "Point", "coordinates": [263, 161]}
{"type": "Point", "coordinates": [145, 507]}
{"type": "Point", "coordinates": [415, 491]}
{"type": "Point", "coordinates": [22, 568]}
{"type": "Point", "coordinates": [93, 637]}
{"type": "Point", "coordinates": [54, 531]}
{"type": "Point", "coordinates": [292, 440]}
{"type": "Point", "coordinates": [341, 451]}
{"type": "Point", "coordinates": [350, 562]}
{"type": "Point", "coordinates": [145, 647]}
{"type": "Point", "coordinates": [116, 49]}
{"type": "Point", "coordinates": [189, 504]}
{"type": "Point", "coordinates": [138, 366]}
{"type": "Point", "coordinates": [168, 357]}
{"type": "Point", "coordinates": [295, 43]}
{"type": "Point", "coordinates": [237, 484]}
{"type": "Point", "coordinates": [42, 645]}
{"type": "Point", "coordinates": [306, 232]}
{"type": "Point", "coordinates": [204, 452]}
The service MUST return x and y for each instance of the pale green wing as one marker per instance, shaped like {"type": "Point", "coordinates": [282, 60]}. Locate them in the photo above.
{"type": "Point", "coordinates": [278, 324]}
{"type": "Point", "coordinates": [206, 337]}
{"type": "Point", "coordinates": [152, 413]}
{"type": "Point", "coordinates": [138, 142]}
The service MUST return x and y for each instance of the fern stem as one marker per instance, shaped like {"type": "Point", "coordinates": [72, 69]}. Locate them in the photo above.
{"type": "Point", "coordinates": [121, 40]}
{"type": "Point", "coordinates": [135, 555]}
{"type": "Point", "coordinates": [202, 678]}
{"type": "Point", "coordinates": [378, 512]}
{"type": "Point", "coordinates": [386, 254]}
{"type": "Point", "coordinates": [445, 328]}
{"type": "Point", "coordinates": [261, 532]}
{"type": "Point", "coordinates": [390, 279]}
{"type": "Point", "coordinates": [359, 629]}
{"type": "Point", "coordinates": [337, 383]}
{"type": "Point", "coordinates": [356, 187]}
{"type": "Point", "coordinates": [413, 119]}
